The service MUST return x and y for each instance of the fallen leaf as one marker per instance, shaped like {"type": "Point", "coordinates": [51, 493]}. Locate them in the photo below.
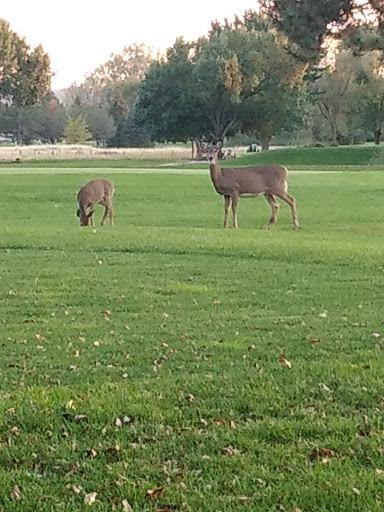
{"type": "Point", "coordinates": [356, 490]}
{"type": "Point", "coordinates": [79, 417]}
{"type": "Point", "coordinates": [324, 386]}
{"type": "Point", "coordinates": [378, 472]}
{"type": "Point", "coordinates": [244, 499]}
{"type": "Point", "coordinates": [118, 422]}
{"type": "Point", "coordinates": [106, 312]}
{"type": "Point", "coordinates": [96, 343]}
{"type": "Point", "coordinates": [229, 451]}
{"type": "Point", "coordinates": [320, 453]}
{"type": "Point", "coordinates": [154, 493]}
{"type": "Point", "coordinates": [16, 493]}
{"type": "Point", "coordinates": [90, 498]}
{"type": "Point", "coordinates": [190, 397]}
{"type": "Point", "coordinates": [284, 362]}
{"type": "Point", "coordinates": [69, 405]}
{"type": "Point", "coordinates": [126, 506]}
{"type": "Point", "coordinates": [74, 489]}
{"type": "Point", "coordinates": [376, 335]}
{"type": "Point", "coordinates": [91, 453]}
{"type": "Point", "coordinates": [324, 314]}
{"type": "Point", "coordinates": [315, 340]}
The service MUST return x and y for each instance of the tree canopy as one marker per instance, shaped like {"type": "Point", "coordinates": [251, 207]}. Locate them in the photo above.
{"type": "Point", "coordinates": [307, 23]}
{"type": "Point", "coordinates": [200, 89]}
{"type": "Point", "coordinates": [25, 74]}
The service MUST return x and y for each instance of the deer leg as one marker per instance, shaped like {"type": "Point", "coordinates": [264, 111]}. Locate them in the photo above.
{"type": "Point", "coordinates": [227, 204]}
{"type": "Point", "coordinates": [274, 209]}
{"type": "Point", "coordinates": [110, 215]}
{"type": "Point", "coordinates": [104, 215]}
{"type": "Point", "coordinates": [292, 204]}
{"type": "Point", "coordinates": [234, 211]}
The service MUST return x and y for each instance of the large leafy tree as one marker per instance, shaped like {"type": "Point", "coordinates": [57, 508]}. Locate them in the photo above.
{"type": "Point", "coordinates": [100, 124]}
{"type": "Point", "coordinates": [334, 94]}
{"type": "Point", "coordinates": [114, 85]}
{"type": "Point", "coordinates": [131, 64]}
{"type": "Point", "coordinates": [25, 75]}
{"type": "Point", "coordinates": [371, 94]}
{"type": "Point", "coordinates": [308, 23]}
{"type": "Point", "coordinates": [44, 122]}
{"type": "Point", "coordinates": [168, 106]}
{"type": "Point", "coordinates": [199, 90]}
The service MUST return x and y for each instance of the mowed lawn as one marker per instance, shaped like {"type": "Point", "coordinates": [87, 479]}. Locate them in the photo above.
{"type": "Point", "coordinates": [166, 364]}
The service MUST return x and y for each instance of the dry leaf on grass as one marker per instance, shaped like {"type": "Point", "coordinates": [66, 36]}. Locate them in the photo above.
{"type": "Point", "coordinates": [315, 340]}
{"type": "Point", "coordinates": [126, 506]}
{"type": "Point", "coordinates": [321, 453]}
{"type": "Point", "coordinates": [16, 493]}
{"type": "Point", "coordinates": [284, 362]}
{"type": "Point", "coordinates": [154, 493]}
{"type": "Point", "coordinates": [90, 498]}
{"type": "Point", "coordinates": [229, 451]}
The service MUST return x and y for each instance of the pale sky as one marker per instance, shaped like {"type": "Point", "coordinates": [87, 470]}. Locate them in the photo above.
{"type": "Point", "coordinates": [79, 35]}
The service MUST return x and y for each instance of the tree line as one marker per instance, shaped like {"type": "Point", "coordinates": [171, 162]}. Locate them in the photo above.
{"type": "Point", "coordinates": [309, 71]}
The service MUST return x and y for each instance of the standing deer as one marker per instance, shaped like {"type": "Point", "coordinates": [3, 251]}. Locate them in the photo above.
{"type": "Point", "coordinates": [270, 180]}
{"type": "Point", "coordinates": [92, 193]}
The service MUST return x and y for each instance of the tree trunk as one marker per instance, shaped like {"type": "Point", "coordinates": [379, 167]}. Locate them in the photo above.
{"type": "Point", "coordinates": [377, 136]}
{"type": "Point", "coordinates": [193, 150]}
{"type": "Point", "coordinates": [265, 144]}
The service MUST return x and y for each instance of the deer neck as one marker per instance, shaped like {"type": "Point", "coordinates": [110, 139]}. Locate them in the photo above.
{"type": "Point", "coordinates": [214, 171]}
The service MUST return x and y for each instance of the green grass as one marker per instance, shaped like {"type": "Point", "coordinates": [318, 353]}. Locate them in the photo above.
{"type": "Point", "coordinates": [335, 158]}
{"type": "Point", "coordinates": [204, 315]}
{"type": "Point", "coordinates": [340, 156]}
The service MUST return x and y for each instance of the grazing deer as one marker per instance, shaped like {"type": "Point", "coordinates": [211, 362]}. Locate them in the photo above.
{"type": "Point", "coordinates": [92, 193]}
{"type": "Point", "coordinates": [270, 180]}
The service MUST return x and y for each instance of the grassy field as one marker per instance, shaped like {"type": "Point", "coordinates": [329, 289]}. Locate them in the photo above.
{"type": "Point", "coordinates": [314, 159]}
{"type": "Point", "coordinates": [165, 364]}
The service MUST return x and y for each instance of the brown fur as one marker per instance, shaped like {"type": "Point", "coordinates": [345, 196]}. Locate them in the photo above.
{"type": "Point", "coordinates": [267, 180]}
{"type": "Point", "coordinates": [99, 191]}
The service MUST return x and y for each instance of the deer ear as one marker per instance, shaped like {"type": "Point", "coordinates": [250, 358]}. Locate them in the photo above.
{"type": "Point", "coordinates": [78, 213]}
